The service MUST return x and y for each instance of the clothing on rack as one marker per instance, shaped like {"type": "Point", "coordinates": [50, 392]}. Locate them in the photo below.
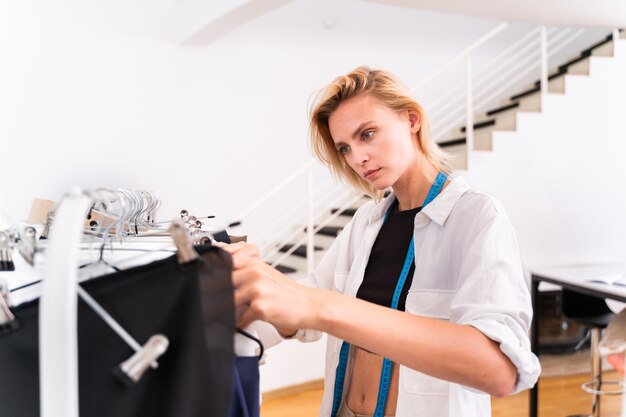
{"type": "Point", "coordinates": [245, 401]}
{"type": "Point", "coordinates": [191, 304]}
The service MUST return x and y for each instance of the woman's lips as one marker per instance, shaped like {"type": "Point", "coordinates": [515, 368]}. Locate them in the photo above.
{"type": "Point", "coordinates": [369, 175]}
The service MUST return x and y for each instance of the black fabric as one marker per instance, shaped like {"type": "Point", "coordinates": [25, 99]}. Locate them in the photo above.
{"type": "Point", "coordinates": [387, 259]}
{"type": "Point", "coordinates": [191, 304]}
{"type": "Point", "coordinates": [245, 401]}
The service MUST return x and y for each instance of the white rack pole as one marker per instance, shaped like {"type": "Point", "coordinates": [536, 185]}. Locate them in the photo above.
{"type": "Point", "coordinates": [58, 338]}
{"type": "Point", "coordinates": [469, 111]}
{"type": "Point", "coordinates": [310, 234]}
{"type": "Point", "coordinates": [544, 60]}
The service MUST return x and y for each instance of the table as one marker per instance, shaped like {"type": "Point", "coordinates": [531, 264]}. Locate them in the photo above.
{"type": "Point", "coordinates": [577, 278]}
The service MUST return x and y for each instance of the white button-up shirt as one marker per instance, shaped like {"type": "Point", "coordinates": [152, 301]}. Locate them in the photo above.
{"type": "Point", "coordinates": [467, 270]}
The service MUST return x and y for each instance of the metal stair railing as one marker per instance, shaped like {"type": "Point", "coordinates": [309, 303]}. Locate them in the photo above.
{"type": "Point", "coordinates": [504, 71]}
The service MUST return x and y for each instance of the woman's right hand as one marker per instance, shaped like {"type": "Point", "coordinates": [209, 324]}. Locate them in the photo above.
{"type": "Point", "coordinates": [240, 252]}
{"type": "Point", "coordinates": [264, 293]}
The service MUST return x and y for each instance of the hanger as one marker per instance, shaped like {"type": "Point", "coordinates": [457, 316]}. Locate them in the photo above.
{"type": "Point", "coordinates": [106, 199]}
{"type": "Point", "coordinates": [254, 339]}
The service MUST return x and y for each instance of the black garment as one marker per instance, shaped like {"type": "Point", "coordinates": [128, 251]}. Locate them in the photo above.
{"type": "Point", "coordinates": [191, 304]}
{"type": "Point", "coordinates": [387, 259]}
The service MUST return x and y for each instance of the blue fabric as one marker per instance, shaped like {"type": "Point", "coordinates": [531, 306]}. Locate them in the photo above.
{"type": "Point", "coordinates": [245, 398]}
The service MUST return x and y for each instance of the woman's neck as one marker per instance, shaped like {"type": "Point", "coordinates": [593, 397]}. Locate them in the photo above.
{"type": "Point", "coordinates": [412, 188]}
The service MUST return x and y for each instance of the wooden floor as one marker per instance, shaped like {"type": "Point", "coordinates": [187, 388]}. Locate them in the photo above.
{"type": "Point", "coordinates": [558, 397]}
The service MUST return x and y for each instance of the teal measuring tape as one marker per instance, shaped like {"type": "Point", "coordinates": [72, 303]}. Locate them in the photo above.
{"type": "Point", "coordinates": [385, 375]}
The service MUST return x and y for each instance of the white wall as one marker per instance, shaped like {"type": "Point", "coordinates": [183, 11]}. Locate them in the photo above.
{"type": "Point", "coordinates": [562, 175]}
{"type": "Point", "coordinates": [98, 94]}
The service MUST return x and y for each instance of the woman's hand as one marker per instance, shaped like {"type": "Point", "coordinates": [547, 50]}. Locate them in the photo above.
{"type": "Point", "coordinates": [263, 293]}
{"type": "Point", "coordinates": [239, 251]}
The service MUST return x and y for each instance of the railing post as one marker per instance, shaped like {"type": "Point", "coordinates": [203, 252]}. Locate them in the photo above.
{"type": "Point", "coordinates": [310, 241]}
{"type": "Point", "coordinates": [469, 122]}
{"type": "Point", "coordinates": [543, 44]}
{"type": "Point", "coordinates": [615, 38]}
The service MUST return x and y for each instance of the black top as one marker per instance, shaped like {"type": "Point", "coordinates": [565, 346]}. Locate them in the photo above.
{"type": "Point", "coordinates": [387, 259]}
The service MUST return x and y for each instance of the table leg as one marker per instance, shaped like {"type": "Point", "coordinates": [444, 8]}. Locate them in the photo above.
{"type": "Point", "coordinates": [534, 344]}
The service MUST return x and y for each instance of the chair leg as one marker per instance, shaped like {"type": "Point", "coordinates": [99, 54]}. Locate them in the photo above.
{"type": "Point", "coordinates": [596, 370]}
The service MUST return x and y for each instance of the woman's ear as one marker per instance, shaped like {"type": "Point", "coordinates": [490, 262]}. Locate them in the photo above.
{"type": "Point", "coordinates": [415, 120]}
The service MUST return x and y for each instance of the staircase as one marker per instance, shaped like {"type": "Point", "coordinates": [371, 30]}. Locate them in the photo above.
{"type": "Point", "coordinates": [502, 117]}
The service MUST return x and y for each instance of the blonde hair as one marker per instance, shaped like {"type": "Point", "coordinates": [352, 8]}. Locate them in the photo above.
{"type": "Point", "coordinates": [389, 91]}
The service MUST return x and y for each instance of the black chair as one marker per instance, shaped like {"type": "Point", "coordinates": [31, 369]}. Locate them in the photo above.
{"type": "Point", "coordinates": [593, 313]}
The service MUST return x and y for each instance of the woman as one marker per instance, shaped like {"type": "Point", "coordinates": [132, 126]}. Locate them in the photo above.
{"type": "Point", "coordinates": [430, 277]}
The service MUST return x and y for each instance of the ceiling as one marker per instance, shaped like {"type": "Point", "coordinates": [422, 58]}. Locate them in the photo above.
{"type": "Point", "coordinates": [202, 21]}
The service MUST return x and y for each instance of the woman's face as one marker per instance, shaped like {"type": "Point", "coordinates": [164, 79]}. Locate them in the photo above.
{"type": "Point", "coordinates": [377, 142]}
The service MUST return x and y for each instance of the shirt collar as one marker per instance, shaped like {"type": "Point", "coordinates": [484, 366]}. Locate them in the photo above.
{"type": "Point", "coordinates": [438, 210]}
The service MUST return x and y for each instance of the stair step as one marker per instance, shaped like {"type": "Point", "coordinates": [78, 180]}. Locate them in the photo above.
{"type": "Point", "coordinates": [329, 230]}
{"type": "Point", "coordinates": [481, 125]}
{"type": "Point", "coordinates": [503, 108]}
{"type": "Point", "coordinates": [285, 269]}
{"type": "Point", "coordinates": [347, 212]}
{"type": "Point", "coordinates": [525, 93]}
{"type": "Point", "coordinates": [606, 40]}
{"type": "Point", "coordinates": [452, 142]}
{"type": "Point", "coordinates": [552, 76]}
{"type": "Point", "coordinates": [300, 251]}
{"type": "Point", "coordinates": [571, 62]}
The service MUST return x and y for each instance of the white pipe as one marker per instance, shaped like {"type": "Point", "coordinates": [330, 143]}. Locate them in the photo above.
{"type": "Point", "coordinates": [492, 77]}
{"type": "Point", "coordinates": [488, 99]}
{"type": "Point", "coordinates": [469, 112]}
{"type": "Point", "coordinates": [435, 127]}
{"type": "Point", "coordinates": [566, 42]}
{"type": "Point", "coordinates": [310, 241]}
{"type": "Point", "coordinates": [290, 217]}
{"type": "Point", "coordinates": [324, 223]}
{"type": "Point", "coordinates": [293, 235]}
{"type": "Point", "coordinates": [544, 60]}
{"type": "Point", "coordinates": [276, 189]}
{"type": "Point", "coordinates": [502, 76]}
{"type": "Point", "coordinates": [482, 75]}
{"type": "Point", "coordinates": [462, 55]}
{"type": "Point", "coordinates": [58, 338]}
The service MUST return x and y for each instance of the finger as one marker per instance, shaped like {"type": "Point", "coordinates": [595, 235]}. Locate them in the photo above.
{"type": "Point", "coordinates": [244, 295]}
{"type": "Point", "coordinates": [240, 260]}
{"type": "Point", "coordinates": [245, 275]}
{"type": "Point", "coordinates": [233, 247]}
{"type": "Point", "coordinates": [246, 318]}
{"type": "Point", "coordinates": [248, 249]}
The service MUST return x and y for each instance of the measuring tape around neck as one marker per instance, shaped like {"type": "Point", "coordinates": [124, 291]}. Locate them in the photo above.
{"type": "Point", "coordinates": [385, 375]}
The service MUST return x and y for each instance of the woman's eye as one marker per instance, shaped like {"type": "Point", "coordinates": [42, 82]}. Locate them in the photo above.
{"type": "Point", "coordinates": [343, 149]}
{"type": "Point", "coordinates": [367, 134]}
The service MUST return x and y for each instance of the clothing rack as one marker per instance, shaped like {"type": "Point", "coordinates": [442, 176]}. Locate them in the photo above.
{"type": "Point", "coordinates": [58, 309]}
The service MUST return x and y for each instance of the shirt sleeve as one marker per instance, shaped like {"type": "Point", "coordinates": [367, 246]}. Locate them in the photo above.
{"type": "Point", "coordinates": [493, 296]}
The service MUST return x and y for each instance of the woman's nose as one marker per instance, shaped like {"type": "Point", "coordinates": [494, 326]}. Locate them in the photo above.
{"type": "Point", "coordinates": [359, 157]}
